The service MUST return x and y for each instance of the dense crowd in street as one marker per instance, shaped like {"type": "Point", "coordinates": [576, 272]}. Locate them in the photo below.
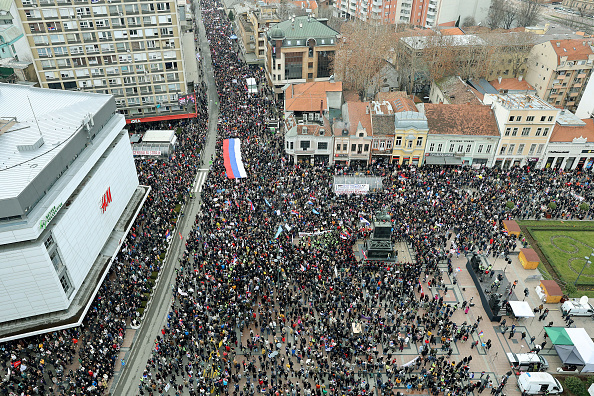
{"type": "Point", "coordinates": [81, 360]}
{"type": "Point", "coordinates": [261, 308]}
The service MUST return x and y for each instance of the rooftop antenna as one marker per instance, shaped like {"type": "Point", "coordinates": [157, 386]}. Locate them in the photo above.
{"type": "Point", "coordinates": [35, 117]}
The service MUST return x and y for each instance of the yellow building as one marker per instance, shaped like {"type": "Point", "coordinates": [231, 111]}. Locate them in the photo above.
{"type": "Point", "coordinates": [410, 133]}
{"type": "Point", "coordinates": [525, 125]}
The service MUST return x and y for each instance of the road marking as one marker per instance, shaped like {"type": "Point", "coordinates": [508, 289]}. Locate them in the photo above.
{"type": "Point", "coordinates": [200, 181]}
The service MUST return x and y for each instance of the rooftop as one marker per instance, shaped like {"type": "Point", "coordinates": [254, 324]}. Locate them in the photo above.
{"type": "Point", "coordinates": [461, 119]}
{"type": "Point", "coordinates": [519, 101]}
{"type": "Point", "coordinates": [305, 27]}
{"type": "Point", "coordinates": [455, 31]}
{"type": "Point", "coordinates": [404, 104]}
{"type": "Point", "coordinates": [573, 49]}
{"type": "Point", "coordinates": [457, 91]}
{"type": "Point", "coordinates": [566, 133]}
{"type": "Point", "coordinates": [391, 96]}
{"type": "Point", "coordinates": [58, 116]}
{"type": "Point", "coordinates": [421, 42]}
{"type": "Point", "coordinates": [309, 96]}
{"type": "Point", "coordinates": [356, 112]}
{"type": "Point", "coordinates": [511, 84]}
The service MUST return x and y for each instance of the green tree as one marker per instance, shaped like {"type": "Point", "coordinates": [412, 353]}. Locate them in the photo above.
{"type": "Point", "coordinates": [231, 16]}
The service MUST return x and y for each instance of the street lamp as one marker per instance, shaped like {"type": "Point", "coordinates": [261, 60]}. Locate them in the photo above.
{"type": "Point", "coordinates": [587, 258]}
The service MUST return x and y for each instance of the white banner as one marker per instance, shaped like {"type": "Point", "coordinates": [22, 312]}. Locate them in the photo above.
{"type": "Point", "coordinates": [146, 152]}
{"type": "Point", "coordinates": [340, 189]}
{"type": "Point", "coordinates": [301, 234]}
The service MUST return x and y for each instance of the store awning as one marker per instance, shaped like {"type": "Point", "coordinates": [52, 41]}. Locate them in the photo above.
{"type": "Point", "coordinates": [433, 160]}
{"type": "Point", "coordinates": [558, 336]}
{"type": "Point", "coordinates": [521, 309]}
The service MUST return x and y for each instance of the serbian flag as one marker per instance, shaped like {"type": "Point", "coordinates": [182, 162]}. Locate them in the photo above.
{"type": "Point", "coordinates": [167, 234]}
{"type": "Point", "coordinates": [232, 157]}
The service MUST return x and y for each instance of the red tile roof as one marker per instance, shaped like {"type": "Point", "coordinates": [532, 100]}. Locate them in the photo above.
{"type": "Point", "coordinates": [513, 84]}
{"type": "Point", "coordinates": [358, 113]}
{"type": "Point", "coordinates": [404, 104]}
{"type": "Point", "coordinates": [309, 96]}
{"type": "Point", "coordinates": [574, 49]}
{"type": "Point", "coordinates": [455, 31]}
{"type": "Point", "coordinates": [563, 133]}
{"type": "Point", "coordinates": [461, 119]}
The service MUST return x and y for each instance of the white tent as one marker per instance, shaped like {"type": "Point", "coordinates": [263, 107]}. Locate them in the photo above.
{"type": "Point", "coordinates": [585, 346]}
{"type": "Point", "coordinates": [521, 309]}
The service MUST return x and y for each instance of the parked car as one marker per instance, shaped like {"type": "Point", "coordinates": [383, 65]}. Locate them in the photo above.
{"type": "Point", "coordinates": [539, 383]}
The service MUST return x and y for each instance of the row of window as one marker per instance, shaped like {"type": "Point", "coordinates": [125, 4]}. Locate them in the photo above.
{"type": "Point", "coordinates": [509, 150]}
{"type": "Point", "coordinates": [531, 118]}
{"type": "Point", "coordinates": [526, 131]}
{"type": "Point", "coordinates": [460, 149]}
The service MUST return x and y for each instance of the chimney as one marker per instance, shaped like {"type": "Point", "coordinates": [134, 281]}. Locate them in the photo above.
{"type": "Point", "coordinates": [520, 78]}
{"type": "Point", "coordinates": [499, 79]}
{"type": "Point", "coordinates": [300, 25]}
{"type": "Point", "coordinates": [558, 44]}
{"type": "Point", "coordinates": [367, 110]}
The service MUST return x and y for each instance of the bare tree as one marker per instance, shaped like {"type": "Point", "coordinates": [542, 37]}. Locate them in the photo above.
{"type": "Point", "coordinates": [502, 14]}
{"type": "Point", "coordinates": [528, 13]}
{"type": "Point", "coordinates": [361, 53]}
{"type": "Point", "coordinates": [468, 21]}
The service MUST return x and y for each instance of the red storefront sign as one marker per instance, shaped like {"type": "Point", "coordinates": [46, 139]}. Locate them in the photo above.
{"type": "Point", "coordinates": [160, 118]}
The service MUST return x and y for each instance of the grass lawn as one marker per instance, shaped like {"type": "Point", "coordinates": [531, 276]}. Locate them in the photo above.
{"type": "Point", "coordinates": [557, 224]}
{"type": "Point", "coordinates": [565, 250]}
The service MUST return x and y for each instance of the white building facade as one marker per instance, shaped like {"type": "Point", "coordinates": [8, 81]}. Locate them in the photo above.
{"type": "Point", "coordinates": [65, 197]}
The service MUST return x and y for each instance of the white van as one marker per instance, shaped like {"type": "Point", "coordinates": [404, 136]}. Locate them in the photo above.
{"type": "Point", "coordinates": [539, 383]}
{"type": "Point", "coordinates": [579, 307]}
{"type": "Point", "coordinates": [527, 361]}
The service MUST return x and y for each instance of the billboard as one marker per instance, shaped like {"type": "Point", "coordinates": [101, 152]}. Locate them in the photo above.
{"type": "Point", "coordinates": [358, 189]}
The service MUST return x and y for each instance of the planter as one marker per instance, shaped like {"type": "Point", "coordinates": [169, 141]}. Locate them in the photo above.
{"type": "Point", "coordinates": [548, 215]}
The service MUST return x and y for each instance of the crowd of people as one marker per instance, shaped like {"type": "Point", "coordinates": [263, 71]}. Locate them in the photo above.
{"type": "Point", "coordinates": [81, 360]}
{"type": "Point", "coordinates": [271, 296]}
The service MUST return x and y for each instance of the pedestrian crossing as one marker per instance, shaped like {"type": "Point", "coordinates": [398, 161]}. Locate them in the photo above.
{"type": "Point", "coordinates": [200, 179]}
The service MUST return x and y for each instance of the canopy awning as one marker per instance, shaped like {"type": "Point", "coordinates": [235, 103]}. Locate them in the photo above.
{"type": "Point", "coordinates": [435, 160]}
{"type": "Point", "coordinates": [558, 336]}
{"type": "Point", "coordinates": [569, 354]}
{"type": "Point", "coordinates": [521, 309]}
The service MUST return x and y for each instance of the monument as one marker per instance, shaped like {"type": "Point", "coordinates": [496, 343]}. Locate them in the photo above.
{"type": "Point", "coordinates": [379, 246]}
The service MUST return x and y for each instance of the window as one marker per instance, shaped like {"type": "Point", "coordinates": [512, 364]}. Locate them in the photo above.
{"type": "Point", "coordinates": [511, 118]}
{"type": "Point", "coordinates": [532, 149]}
{"type": "Point", "coordinates": [374, 145]}
{"type": "Point", "coordinates": [398, 141]}
{"type": "Point", "coordinates": [520, 149]}
{"type": "Point", "coordinates": [503, 148]}
{"type": "Point", "coordinates": [452, 148]}
{"type": "Point", "coordinates": [439, 146]}
{"type": "Point", "coordinates": [419, 141]}
{"type": "Point", "coordinates": [460, 148]}
{"type": "Point", "coordinates": [479, 149]}
{"type": "Point", "coordinates": [66, 284]}
{"type": "Point", "coordinates": [359, 148]}
{"type": "Point", "coordinates": [488, 149]}
{"type": "Point", "coordinates": [540, 148]}
{"type": "Point", "coordinates": [338, 147]}
{"type": "Point", "coordinates": [367, 147]}
{"type": "Point", "coordinates": [515, 132]}
{"type": "Point", "coordinates": [344, 147]}
{"type": "Point", "coordinates": [354, 147]}
{"type": "Point", "coordinates": [538, 131]}
{"type": "Point", "coordinates": [525, 131]}
{"type": "Point", "coordinates": [409, 144]}
{"type": "Point", "coordinates": [291, 145]}
{"type": "Point", "coordinates": [507, 131]}
{"type": "Point", "coordinates": [468, 148]}
{"type": "Point", "coordinates": [550, 118]}
{"type": "Point", "coordinates": [529, 118]}
{"type": "Point", "coordinates": [304, 144]}
{"type": "Point", "coordinates": [518, 118]}
{"type": "Point", "coordinates": [49, 242]}
{"type": "Point", "coordinates": [511, 149]}
{"type": "Point", "coordinates": [388, 144]}
{"type": "Point", "coordinates": [543, 118]}
{"type": "Point", "coordinates": [431, 146]}
{"type": "Point", "coordinates": [382, 144]}
{"type": "Point", "coordinates": [322, 145]}
{"type": "Point", "coordinates": [545, 132]}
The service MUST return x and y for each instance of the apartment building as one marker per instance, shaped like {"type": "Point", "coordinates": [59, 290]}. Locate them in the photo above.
{"type": "Point", "coordinates": [252, 22]}
{"type": "Point", "coordinates": [410, 133]}
{"type": "Point", "coordinates": [129, 49]}
{"type": "Point", "coordinates": [525, 125]}
{"type": "Point", "coordinates": [559, 70]}
{"type": "Point", "coordinates": [299, 50]}
{"type": "Point", "coordinates": [423, 13]}
{"type": "Point", "coordinates": [585, 6]}
{"type": "Point", "coordinates": [572, 143]}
